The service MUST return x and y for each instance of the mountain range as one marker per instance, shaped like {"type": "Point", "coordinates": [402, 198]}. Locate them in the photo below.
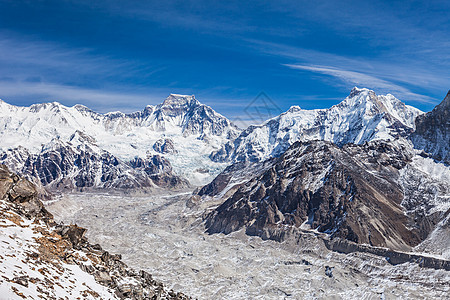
{"type": "Point", "coordinates": [362, 116]}
{"type": "Point", "coordinates": [87, 149]}
{"type": "Point", "coordinates": [191, 140]}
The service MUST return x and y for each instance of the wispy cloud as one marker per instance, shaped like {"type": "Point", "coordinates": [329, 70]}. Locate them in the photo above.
{"type": "Point", "coordinates": [48, 71]}
{"type": "Point", "coordinates": [98, 99]}
{"type": "Point", "coordinates": [23, 57]}
{"type": "Point", "coordinates": [384, 75]}
{"type": "Point", "coordinates": [28, 54]}
{"type": "Point", "coordinates": [364, 80]}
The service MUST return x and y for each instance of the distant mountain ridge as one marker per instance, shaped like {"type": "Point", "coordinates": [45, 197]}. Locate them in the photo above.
{"type": "Point", "coordinates": [190, 129]}
{"type": "Point", "coordinates": [193, 140]}
{"type": "Point", "coordinates": [40, 123]}
{"type": "Point", "coordinates": [362, 116]}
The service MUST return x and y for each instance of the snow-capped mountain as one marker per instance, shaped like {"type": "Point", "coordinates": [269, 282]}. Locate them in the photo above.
{"type": "Point", "coordinates": [65, 165]}
{"type": "Point", "coordinates": [362, 116]}
{"type": "Point", "coordinates": [383, 192]}
{"type": "Point", "coordinates": [190, 131]}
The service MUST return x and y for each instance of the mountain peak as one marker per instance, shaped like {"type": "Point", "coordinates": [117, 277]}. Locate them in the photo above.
{"type": "Point", "coordinates": [180, 100]}
{"type": "Point", "coordinates": [360, 96]}
{"type": "Point", "coordinates": [446, 102]}
{"type": "Point", "coordinates": [356, 91]}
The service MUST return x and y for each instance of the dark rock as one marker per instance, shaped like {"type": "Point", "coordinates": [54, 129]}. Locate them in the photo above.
{"type": "Point", "coordinates": [432, 132]}
{"type": "Point", "coordinates": [392, 256]}
{"type": "Point", "coordinates": [73, 233]}
{"type": "Point", "coordinates": [329, 271]}
{"type": "Point", "coordinates": [22, 280]}
{"type": "Point", "coordinates": [164, 146]}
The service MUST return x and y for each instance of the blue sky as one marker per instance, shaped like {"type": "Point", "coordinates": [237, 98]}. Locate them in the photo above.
{"type": "Point", "coordinates": [123, 55]}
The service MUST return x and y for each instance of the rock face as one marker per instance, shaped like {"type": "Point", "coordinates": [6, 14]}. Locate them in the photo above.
{"type": "Point", "coordinates": [51, 261]}
{"type": "Point", "coordinates": [353, 192]}
{"type": "Point", "coordinates": [80, 165]}
{"type": "Point", "coordinates": [433, 132]}
{"type": "Point", "coordinates": [362, 116]}
{"type": "Point", "coordinates": [164, 146]}
{"type": "Point", "coordinates": [193, 117]}
{"type": "Point", "coordinates": [160, 172]}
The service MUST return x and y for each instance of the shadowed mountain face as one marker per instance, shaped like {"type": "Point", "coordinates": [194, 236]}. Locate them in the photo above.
{"type": "Point", "coordinates": [433, 131]}
{"type": "Point", "coordinates": [349, 192]}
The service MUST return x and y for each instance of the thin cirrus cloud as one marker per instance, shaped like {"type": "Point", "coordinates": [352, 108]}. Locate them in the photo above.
{"type": "Point", "coordinates": [410, 71]}
{"type": "Point", "coordinates": [383, 75]}
{"type": "Point", "coordinates": [95, 99]}
{"type": "Point", "coordinates": [49, 71]}
{"type": "Point", "coordinates": [361, 79]}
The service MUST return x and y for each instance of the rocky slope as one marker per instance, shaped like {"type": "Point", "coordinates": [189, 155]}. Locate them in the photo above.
{"type": "Point", "coordinates": [362, 116]}
{"type": "Point", "coordinates": [433, 131]}
{"type": "Point", "coordinates": [42, 259]}
{"type": "Point", "coordinates": [181, 128]}
{"type": "Point", "coordinates": [355, 192]}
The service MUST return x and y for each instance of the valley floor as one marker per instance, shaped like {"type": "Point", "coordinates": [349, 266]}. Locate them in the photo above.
{"type": "Point", "coordinates": [163, 236]}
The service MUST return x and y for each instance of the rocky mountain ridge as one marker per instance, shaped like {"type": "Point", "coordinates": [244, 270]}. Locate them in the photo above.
{"type": "Point", "coordinates": [432, 132]}
{"type": "Point", "coordinates": [368, 194]}
{"type": "Point", "coordinates": [42, 259]}
{"type": "Point", "coordinates": [346, 192]}
{"type": "Point", "coordinates": [80, 164]}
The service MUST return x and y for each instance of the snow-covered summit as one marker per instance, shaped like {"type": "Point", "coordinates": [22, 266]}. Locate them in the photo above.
{"type": "Point", "coordinates": [180, 100]}
{"type": "Point", "coordinates": [360, 117]}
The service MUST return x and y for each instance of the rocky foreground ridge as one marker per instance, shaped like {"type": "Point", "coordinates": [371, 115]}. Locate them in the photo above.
{"type": "Point", "coordinates": [40, 259]}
